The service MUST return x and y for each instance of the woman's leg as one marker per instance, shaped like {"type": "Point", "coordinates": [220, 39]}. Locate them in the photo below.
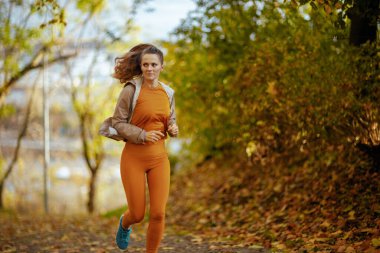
{"type": "Point", "coordinates": [133, 178]}
{"type": "Point", "coordinates": [158, 183]}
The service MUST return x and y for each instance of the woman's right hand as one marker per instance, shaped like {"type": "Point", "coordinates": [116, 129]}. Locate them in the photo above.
{"type": "Point", "coordinates": [153, 135]}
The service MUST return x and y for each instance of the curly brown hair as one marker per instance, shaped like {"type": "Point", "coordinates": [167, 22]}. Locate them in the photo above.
{"type": "Point", "coordinates": [128, 65]}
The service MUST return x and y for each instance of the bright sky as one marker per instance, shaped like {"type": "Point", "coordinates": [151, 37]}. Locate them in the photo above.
{"type": "Point", "coordinates": [158, 18]}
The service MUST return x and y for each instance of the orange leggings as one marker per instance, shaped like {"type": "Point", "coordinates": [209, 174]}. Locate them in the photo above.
{"type": "Point", "coordinates": [133, 169]}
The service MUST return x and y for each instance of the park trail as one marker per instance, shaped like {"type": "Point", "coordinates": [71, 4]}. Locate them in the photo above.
{"type": "Point", "coordinates": [55, 233]}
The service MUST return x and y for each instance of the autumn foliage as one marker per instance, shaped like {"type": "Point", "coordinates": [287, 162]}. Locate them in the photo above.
{"type": "Point", "coordinates": [283, 118]}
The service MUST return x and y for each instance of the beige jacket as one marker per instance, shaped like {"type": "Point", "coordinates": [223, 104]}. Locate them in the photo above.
{"type": "Point", "coordinates": [118, 127]}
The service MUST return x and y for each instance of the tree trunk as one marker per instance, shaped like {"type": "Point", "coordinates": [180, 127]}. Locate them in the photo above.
{"type": "Point", "coordinates": [1, 195]}
{"type": "Point", "coordinates": [20, 136]}
{"type": "Point", "coordinates": [363, 17]}
{"type": "Point", "coordinates": [91, 191]}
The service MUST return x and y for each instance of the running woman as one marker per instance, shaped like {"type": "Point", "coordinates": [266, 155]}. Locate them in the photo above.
{"type": "Point", "coordinates": [143, 117]}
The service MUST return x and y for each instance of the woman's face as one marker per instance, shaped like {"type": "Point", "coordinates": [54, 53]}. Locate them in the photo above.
{"type": "Point", "coordinates": [151, 66]}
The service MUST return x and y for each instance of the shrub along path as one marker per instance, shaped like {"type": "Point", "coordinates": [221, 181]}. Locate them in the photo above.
{"type": "Point", "coordinates": [32, 233]}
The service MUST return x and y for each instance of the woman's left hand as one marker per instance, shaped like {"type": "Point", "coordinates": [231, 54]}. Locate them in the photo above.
{"type": "Point", "coordinates": [173, 130]}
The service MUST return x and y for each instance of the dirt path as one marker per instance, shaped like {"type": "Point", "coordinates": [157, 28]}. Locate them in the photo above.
{"type": "Point", "coordinates": [69, 234]}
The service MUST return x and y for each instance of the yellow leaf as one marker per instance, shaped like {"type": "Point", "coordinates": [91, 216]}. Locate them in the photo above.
{"type": "Point", "coordinates": [167, 248]}
{"type": "Point", "coordinates": [350, 249]}
{"type": "Point", "coordinates": [278, 187]}
{"type": "Point", "coordinates": [203, 221]}
{"type": "Point", "coordinates": [197, 240]}
{"type": "Point", "coordinates": [336, 233]}
{"type": "Point", "coordinates": [325, 224]}
{"type": "Point", "coordinates": [251, 148]}
{"type": "Point", "coordinates": [322, 239]}
{"type": "Point", "coordinates": [351, 215]}
{"type": "Point", "coordinates": [272, 89]}
{"type": "Point", "coordinates": [255, 247]}
{"type": "Point", "coordinates": [64, 238]}
{"type": "Point", "coordinates": [347, 235]}
{"type": "Point", "coordinates": [278, 245]}
{"type": "Point", "coordinates": [376, 242]}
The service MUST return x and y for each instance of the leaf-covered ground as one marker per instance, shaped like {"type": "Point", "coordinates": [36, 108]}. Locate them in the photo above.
{"type": "Point", "coordinates": [38, 233]}
{"type": "Point", "coordinates": [331, 211]}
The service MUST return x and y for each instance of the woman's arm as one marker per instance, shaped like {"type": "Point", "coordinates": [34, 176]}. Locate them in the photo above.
{"type": "Point", "coordinates": [121, 114]}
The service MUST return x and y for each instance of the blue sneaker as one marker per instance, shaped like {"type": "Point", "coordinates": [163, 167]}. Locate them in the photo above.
{"type": "Point", "coordinates": [122, 236]}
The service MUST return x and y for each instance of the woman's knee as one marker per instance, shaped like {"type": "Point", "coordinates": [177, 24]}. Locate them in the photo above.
{"type": "Point", "coordinates": [157, 216]}
{"type": "Point", "coordinates": [136, 217]}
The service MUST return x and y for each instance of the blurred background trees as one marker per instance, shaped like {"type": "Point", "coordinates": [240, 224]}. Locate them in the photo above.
{"type": "Point", "coordinates": [80, 42]}
{"type": "Point", "coordinates": [277, 103]}
{"type": "Point", "coordinates": [280, 101]}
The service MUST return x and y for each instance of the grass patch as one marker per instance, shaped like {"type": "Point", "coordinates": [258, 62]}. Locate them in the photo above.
{"type": "Point", "coordinates": [114, 213]}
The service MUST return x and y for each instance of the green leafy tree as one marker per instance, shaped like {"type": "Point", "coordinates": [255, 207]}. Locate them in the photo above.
{"type": "Point", "coordinates": [363, 15]}
{"type": "Point", "coordinates": [244, 78]}
{"type": "Point", "coordinates": [275, 101]}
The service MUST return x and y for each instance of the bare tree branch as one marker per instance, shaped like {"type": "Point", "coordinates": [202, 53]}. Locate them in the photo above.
{"type": "Point", "coordinates": [29, 67]}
